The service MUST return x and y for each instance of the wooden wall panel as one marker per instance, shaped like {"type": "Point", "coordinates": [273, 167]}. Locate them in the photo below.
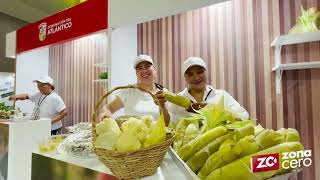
{"type": "Point", "coordinates": [71, 65]}
{"type": "Point", "coordinates": [234, 38]}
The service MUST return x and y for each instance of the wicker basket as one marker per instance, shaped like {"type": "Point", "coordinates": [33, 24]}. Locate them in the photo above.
{"type": "Point", "coordinates": [131, 165]}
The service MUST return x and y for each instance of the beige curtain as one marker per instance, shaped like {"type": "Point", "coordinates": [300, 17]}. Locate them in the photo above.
{"type": "Point", "coordinates": [71, 65]}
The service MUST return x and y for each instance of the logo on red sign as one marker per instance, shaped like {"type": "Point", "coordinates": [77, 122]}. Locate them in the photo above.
{"type": "Point", "coordinates": [265, 162]}
{"type": "Point", "coordinates": [42, 31]}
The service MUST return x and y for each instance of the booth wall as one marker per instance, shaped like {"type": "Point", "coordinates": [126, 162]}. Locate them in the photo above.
{"type": "Point", "coordinates": [137, 11]}
{"type": "Point", "coordinates": [30, 66]}
{"type": "Point", "coordinates": [71, 65]}
{"type": "Point", "coordinates": [7, 24]}
{"type": "Point", "coordinates": [123, 52]}
{"type": "Point", "coordinates": [235, 37]}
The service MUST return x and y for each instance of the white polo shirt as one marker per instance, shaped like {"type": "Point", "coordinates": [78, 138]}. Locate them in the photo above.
{"type": "Point", "coordinates": [211, 96]}
{"type": "Point", "coordinates": [138, 103]}
{"type": "Point", "coordinates": [50, 106]}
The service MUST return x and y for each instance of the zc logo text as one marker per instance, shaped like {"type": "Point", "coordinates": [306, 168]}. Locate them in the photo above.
{"type": "Point", "coordinates": [290, 160]}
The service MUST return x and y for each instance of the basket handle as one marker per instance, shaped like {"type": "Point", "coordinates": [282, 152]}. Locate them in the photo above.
{"type": "Point", "coordinates": [155, 99]}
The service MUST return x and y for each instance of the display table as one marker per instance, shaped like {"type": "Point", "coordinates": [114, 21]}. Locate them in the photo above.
{"type": "Point", "coordinates": [53, 166]}
{"type": "Point", "coordinates": [18, 138]}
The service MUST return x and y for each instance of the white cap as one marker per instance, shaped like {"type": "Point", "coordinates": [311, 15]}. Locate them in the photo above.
{"type": "Point", "coordinates": [193, 61]}
{"type": "Point", "coordinates": [45, 79]}
{"type": "Point", "coordinates": [142, 58]}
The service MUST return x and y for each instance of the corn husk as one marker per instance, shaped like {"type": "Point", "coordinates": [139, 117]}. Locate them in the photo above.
{"type": "Point", "coordinates": [290, 135]}
{"type": "Point", "coordinates": [201, 141]}
{"type": "Point", "coordinates": [157, 133]}
{"type": "Point", "coordinates": [199, 158]}
{"type": "Point", "coordinates": [180, 130]}
{"type": "Point", "coordinates": [204, 158]}
{"type": "Point", "coordinates": [308, 21]}
{"type": "Point", "coordinates": [192, 131]}
{"type": "Point", "coordinates": [258, 129]}
{"type": "Point", "coordinates": [219, 158]}
{"type": "Point", "coordinates": [216, 115]}
{"type": "Point", "coordinates": [248, 145]}
{"type": "Point", "coordinates": [268, 138]}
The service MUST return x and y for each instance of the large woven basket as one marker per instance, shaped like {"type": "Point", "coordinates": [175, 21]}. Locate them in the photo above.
{"type": "Point", "coordinates": [131, 165]}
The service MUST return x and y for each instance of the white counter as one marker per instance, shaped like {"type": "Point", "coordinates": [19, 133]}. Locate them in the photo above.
{"type": "Point", "coordinates": [23, 138]}
{"type": "Point", "coordinates": [167, 170]}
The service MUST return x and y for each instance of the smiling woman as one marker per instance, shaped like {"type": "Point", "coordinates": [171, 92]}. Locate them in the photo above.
{"type": "Point", "coordinates": [200, 94]}
{"type": "Point", "coordinates": [136, 102]}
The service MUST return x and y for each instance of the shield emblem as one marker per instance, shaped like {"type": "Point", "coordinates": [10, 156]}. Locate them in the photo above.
{"type": "Point", "coordinates": [42, 31]}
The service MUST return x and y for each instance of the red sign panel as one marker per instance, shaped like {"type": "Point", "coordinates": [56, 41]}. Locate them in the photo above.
{"type": "Point", "coordinates": [265, 162]}
{"type": "Point", "coordinates": [86, 18]}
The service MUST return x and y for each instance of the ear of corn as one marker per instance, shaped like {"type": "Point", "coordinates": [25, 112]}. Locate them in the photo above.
{"type": "Point", "coordinates": [258, 129]}
{"type": "Point", "coordinates": [268, 138]}
{"type": "Point", "coordinates": [220, 158]}
{"type": "Point", "coordinates": [192, 131]}
{"type": "Point", "coordinates": [200, 157]}
{"type": "Point", "coordinates": [290, 135]}
{"type": "Point", "coordinates": [177, 99]}
{"type": "Point", "coordinates": [248, 145]}
{"type": "Point", "coordinates": [180, 130]}
{"type": "Point", "coordinates": [228, 150]}
{"type": "Point", "coordinates": [201, 141]}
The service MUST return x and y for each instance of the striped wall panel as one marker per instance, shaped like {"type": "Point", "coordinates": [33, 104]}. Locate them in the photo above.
{"type": "Point", "coordinates": [234, 37]}
{"type": "Point", "coordinates": [71, 65]}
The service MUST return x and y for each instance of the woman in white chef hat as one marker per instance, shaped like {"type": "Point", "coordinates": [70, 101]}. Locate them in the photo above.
{"type": "Point", "coordinates": [134, 101]}
{"type": "Point", "coordinates": [48, 104]}
{"type": "Point", "coordinates": [194, 70]}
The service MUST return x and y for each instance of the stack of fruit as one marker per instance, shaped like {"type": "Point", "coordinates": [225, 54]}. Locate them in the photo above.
{"type": "Point", "coordinates": [134, 134]}
{"type": "Point", "coordinates": [216, 145]}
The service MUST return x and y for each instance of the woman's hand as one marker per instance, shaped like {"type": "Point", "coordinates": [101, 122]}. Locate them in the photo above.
{"type": "Point", "coordinates": [161, 102]}
{"type": "Point", "coordinates": [18, 97]}
{"type": "Point", "coordinates": [13, 97]}
{"type": "Point", "coordinates": [161, 99]}
{"type": "Point", "coordinates": [196, 106]}
{"type": "Point", "coordinates": [108, 109]}
{"type": "Point", "coordinates": [105, 114]}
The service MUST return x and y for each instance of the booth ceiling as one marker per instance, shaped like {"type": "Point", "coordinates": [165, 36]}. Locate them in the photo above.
{"type": "Point", "coordinates": [34, 10]}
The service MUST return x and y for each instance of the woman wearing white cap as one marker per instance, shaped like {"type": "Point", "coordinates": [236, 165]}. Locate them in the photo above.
{"type": "Point", "coordinates": [136, 102]}
{"type": "Point", "coordinates": [194, 71]}
{"type": "Point", "coordinates": [48, 104]}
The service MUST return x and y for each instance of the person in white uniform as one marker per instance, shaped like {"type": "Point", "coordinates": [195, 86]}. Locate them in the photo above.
{"type": "Point", "coordinates": [48, 104]}
{"type": "Point", "coordinates": [136, 102]}
{"type": "Point", "coordinates": [200, 93]}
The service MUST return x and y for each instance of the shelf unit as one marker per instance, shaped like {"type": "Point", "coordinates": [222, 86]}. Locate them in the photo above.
{"type": "Point", "coordinates": [302, 65]}
{"type": "Point", "coordinates": [101, 65]}
{"type": "Point", "coordinates": [100, 80]}
{"type": "Point", "coordinates": [289, 40]}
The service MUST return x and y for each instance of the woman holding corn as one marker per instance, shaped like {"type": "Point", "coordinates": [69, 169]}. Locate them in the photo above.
{"type": "Point", "coordinates": [200, 93]}
{"type": "Point", "coordinates": [136, 102]}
